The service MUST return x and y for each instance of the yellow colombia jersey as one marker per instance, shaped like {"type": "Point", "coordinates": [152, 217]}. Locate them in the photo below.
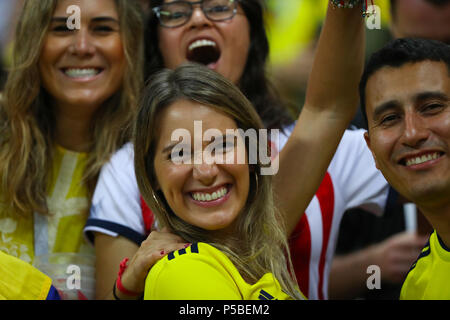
{"type": "Point", "coordinates": [429, 277]}
{"type": "Point", "coordinates": [61, 231]}
{"type": "Point", "coordinates": [201, 272]}
{"type": "Point", "coordinates": [20, 281]}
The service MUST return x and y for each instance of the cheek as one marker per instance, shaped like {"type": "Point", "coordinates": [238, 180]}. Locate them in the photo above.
{"type": "Point", "coordinates": [171, 179]}
{"type": "Point", "coordinates": [50, 53]}
{"type": "Point", "coordinates": [114, 52]}
{"type": "Point", "coordinates": [50, 49]}
{"type": "Point", "coordinates": [240, 173]}
{"type": "Point", "coordinates": [383, 147]}
{"type": "Point", "coordinates": [169, 48]}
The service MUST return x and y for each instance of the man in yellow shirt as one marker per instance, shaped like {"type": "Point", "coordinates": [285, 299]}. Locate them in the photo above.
{"type": "Point", "coordinates": [405, 96]}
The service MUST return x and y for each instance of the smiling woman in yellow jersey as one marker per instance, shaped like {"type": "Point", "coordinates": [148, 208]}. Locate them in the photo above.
{"type": "Point", "coordinates": [225, 208]}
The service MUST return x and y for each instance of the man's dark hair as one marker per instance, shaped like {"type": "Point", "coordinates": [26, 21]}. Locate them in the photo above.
{"type": "Point", "coordinates": [399, 52]}
{"type": "Point", "coordinates": [254, 82]}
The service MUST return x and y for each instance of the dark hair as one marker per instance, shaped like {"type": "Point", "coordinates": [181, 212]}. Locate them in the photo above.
{"type": "Point", "coordinates": [254, 82]}
{"type": "Point", "coordinates": [399, 52]}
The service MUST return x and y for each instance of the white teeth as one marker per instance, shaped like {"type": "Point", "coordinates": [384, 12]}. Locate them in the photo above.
{"type": "Point", "coordinates": [201, 43]}
{"type": "Point", "coordinates": [200, 196]}
{"type": "Point", "coordinates": [80, 73]}
{"type": "Point", "coordinates": [422, 159]}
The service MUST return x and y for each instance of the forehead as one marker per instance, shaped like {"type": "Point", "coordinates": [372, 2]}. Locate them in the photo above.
{"type": "Point", "coordinates": [182, 114]}
{"type": "Point", "coordinates": [403, 83]}
{"type": "Point", "coordinates": [87, 7]}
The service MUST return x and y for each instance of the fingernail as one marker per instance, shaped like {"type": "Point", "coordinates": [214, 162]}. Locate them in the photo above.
{"type": "Point", "coordinates": [187, 245]}
{"type": "Point", "coordinates": [162, 253]}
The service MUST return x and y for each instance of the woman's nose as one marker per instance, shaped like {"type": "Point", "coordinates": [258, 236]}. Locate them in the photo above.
{"type": "Point", "coordinates": [205, 173]}
{"type": "Point", "coordinates": [82, 43]}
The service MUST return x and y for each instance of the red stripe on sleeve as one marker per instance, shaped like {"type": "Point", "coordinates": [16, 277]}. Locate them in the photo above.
{"type": "Point", "coordinates": [300, 246]}
{"type": "Point", "coordinates": [325, 195]}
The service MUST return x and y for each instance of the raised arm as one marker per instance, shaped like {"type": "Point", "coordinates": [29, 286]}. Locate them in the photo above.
{"type": "Point", "coordinates": [331, 101]}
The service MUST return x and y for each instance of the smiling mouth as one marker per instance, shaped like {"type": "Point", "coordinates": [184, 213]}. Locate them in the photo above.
{"type": "Point", "coordinates": [412, 161]}
{"type": "Point", "coordinates": [203, 51]}
{"type": "Point", "coordinates": [209, 197]}
{"type": "Point", "coordinates": [79, 73]}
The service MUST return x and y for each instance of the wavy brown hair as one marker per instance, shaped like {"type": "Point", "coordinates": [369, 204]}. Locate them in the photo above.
{"type": "Point", "coordinates": [260, 234]}
{"type": "Point", "coordinates": [27, 122]}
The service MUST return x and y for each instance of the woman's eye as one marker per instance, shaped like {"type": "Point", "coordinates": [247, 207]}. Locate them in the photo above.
{"type": "Point", "coordinates": [61, 28]}
{"type": "Point", "coordinates": [227, 145]}
{"type": "Point", "coordinates": [179, 154]}
{"type": "Point", "coordinates": [223, 145]}
{"type": "Point", "coordinates": [103, 29]}
{"type": "Point", "coordinates": [219, 9]}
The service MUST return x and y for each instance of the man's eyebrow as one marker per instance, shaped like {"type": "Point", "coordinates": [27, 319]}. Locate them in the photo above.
{"type": "Point", "coordinates": [382, 108]}
{"type": "Point", "coordinates": [431, 95]}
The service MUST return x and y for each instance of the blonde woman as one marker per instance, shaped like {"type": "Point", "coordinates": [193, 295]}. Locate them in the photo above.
{"type": "Point", "coordinates": [239, 247]}
{"type": "Point", "coordinates": [66, 107]}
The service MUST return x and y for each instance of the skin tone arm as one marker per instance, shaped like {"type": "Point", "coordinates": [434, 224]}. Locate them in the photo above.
{"type": "Point", "coordinates": [394, 256]}
{"type": "Point", "coordinates": [111, 251]}
{"type": "Point", "coordinates": [331, 101]}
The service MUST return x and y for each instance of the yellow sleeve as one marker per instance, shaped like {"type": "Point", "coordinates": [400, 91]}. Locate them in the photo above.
{"type": "Point", "coordinates": [21, 281]}
{"type": "Point", "coordinates": [190, 277]}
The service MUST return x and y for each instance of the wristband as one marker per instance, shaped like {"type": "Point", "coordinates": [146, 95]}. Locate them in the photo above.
{"type": "Point", "coordinates": [118, 284]}
{"type": "Point", "coordinates": [348, 4]}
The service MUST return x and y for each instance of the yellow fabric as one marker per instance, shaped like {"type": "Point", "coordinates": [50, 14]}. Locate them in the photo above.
{"type": "Point", "coordinates": [201, 272]}
{"type": "Point", "coordinates": [68, 204]}
{"type": "Point", "coordinates": [20, 281]}
{"type": "Point", "coordinates": [429, 278]}
{"type": "Point", "coordinates": [293, 24]}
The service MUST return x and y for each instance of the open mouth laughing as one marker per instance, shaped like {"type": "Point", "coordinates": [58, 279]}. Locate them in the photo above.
{"type": "Point", "coordinates": [203, 51]}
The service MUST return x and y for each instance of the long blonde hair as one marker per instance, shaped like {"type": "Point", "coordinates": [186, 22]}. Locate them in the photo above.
{"type": "Point", "coordinates": [259, 225]}
{"type": "Point", "coordinates": [27, 122]}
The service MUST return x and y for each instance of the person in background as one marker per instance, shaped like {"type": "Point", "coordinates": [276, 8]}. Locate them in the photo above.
{"type": "Point", "coordinates": [386, 241]}
{"type": "Point", "coordinates": [67, 106]}
{"type": "Point", "coordinates": [405, 95]}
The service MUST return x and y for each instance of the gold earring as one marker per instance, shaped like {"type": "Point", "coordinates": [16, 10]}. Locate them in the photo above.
{"type": "Point", "coordinates": [256, 182]}
{"type": "Point", "coordinates": [157, 202]}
